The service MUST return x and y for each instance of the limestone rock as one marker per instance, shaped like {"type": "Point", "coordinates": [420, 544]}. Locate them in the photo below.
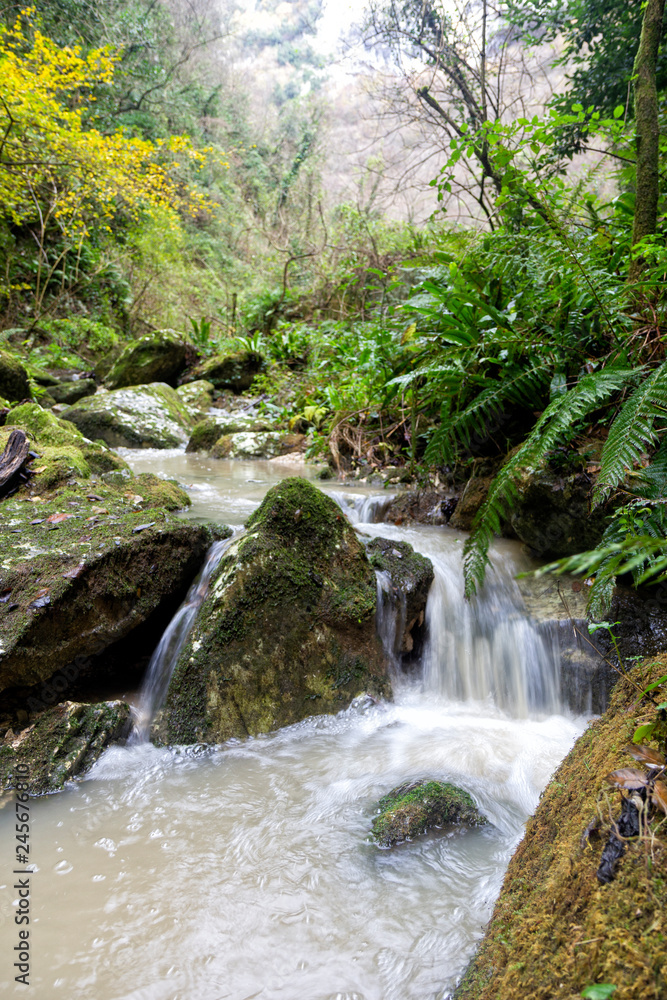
{"type": "Point", "coordinates": [156, 357]}
{"type": "Point", "coordinates": [260, 444]}
{"type": "Point", "coordinates": [63, 741]}
{"type": "Point", "coordinates": [207, 432]}
{"type": "Point", "coordinates": [287, 629]}
{"type": "Point", "coordinates": [197, 397]}
{"type": "Point", "coordinates": [13, 378]}
{"type": "Point", "coordinates": [229, 371]}
{"type": "Point", "coordinates": [147, 416]}
{"type": "Point", "coordinates": [416, 807]}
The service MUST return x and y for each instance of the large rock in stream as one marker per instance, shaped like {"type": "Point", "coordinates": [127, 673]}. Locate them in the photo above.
{"type": "Point", "coordinates": [287, 629]}
{"type": "Point", "coordinates": [146, 416]}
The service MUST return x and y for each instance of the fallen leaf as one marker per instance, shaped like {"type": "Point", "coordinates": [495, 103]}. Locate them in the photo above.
{"type": "Point", "coordinates": [659, 795]}
{"type": "Point", "coordinates": [41, 599]}
{"type": "Point", "coordinates": [38, 520]}
{"type": "Point", "coordinates": [99, 510]}
{"type": "Point", "coordinates": [647, 755]}
{"type": "Point", "coordinates": [94, 496]}
{"type": "Point", "coordinates": [57, 518]}
{"type": "Point", "coordinates": [4, 596]}
{"type": "Point", "coordinates": [628, 777]}
{"type": "Point", "coordinates": [42, 468]}
{"type": "Point", "coordinates": [142, 527]}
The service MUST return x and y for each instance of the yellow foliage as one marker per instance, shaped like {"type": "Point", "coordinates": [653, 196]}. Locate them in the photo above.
{"type": "Point", "coordinates": [55, 168]}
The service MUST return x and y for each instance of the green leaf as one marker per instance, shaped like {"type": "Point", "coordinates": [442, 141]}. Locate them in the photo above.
{"type": "Point", "coordinates": [644, 732]}
{"type": "Point", "coordinates": [619, 111]}
{"type": "Point", "coordinates": [655, 684]}
{"type": "Point", "coordinates": [598, 991]}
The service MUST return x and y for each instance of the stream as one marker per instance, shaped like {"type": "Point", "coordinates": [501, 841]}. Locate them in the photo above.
{"type": "Point", "coordinates": [245, 871]}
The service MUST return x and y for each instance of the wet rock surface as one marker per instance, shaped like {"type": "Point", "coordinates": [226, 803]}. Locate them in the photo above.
{"type": "Point", "coordinates": [413, 808]}
{"type": "Point", "coordinates": [287, 629]}
{"type": "Point", "coordinates": [72, 391]}
{"type": "Point", "coordinates": [60, 744]}
{"type": "Point", "coordinates": [429, 506]}
{"type": "Point", "coordinates": [553, 516]}
{"type": "Point", "coordinates": [411, 576]}
{"type": "Point", "coordinates": [148, 416]}
{"type": "Point", "coordinates": [156, 357]}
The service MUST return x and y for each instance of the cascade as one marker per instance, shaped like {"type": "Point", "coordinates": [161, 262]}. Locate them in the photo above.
{"type": "Point", "coordinates": [163, 660]}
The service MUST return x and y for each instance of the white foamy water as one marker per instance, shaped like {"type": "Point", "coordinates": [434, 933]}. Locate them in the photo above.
{"type": "Point", "coordinates": [245, 871]}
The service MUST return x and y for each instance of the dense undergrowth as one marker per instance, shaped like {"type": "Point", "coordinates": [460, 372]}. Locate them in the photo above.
{"type": "Point", "coordinates": [429, 348]}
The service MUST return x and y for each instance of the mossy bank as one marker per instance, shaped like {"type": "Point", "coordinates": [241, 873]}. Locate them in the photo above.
{"type": "Point", "coordinates": [555, 930]}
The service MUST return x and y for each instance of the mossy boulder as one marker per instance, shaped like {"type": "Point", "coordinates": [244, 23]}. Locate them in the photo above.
{"type": "Point", "coordinates": [62, 451]}
{"type": "Point", "coordinates": [552, 514]}
{"type": "Point", "coordinates": [61, 743]}
{"type": "Point", "coordinates": [197, 397]}
{"type": "Point", "coordinates": [252, 434]}
{"type": "Point", "coordinates": [287, 629]}
{"type": "Point", "coordinates": [156, 357]}
{"type": "Point", "coordinates": [72, 392]}
{"type": "Point", "coordinates": [411, 576]}
{"type": "Point", "coordinates": [555, 930]}
{"type": "Point", "coordinates": [235, 370]}
{"type": "Point", "coordinates": [414, 808]}
{"type": "Point", "coordinates": [147, 416]}
{"type": "Point", "coordinates": [13, 378]}
{"type": "Point", "coordinates": [81, 569]}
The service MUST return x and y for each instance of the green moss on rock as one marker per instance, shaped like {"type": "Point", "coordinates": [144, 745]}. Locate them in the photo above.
{"type": "Point", "coordinates": [412, 809]}
{"type": "Point", "coordinates": [156, 357]}
{"type": "Point", "coordinates": [287, 629]}
{"type": "Point", "coordinates": [13, 378]}
{"type": "Point", "coordinates": [234, 371]}
{"type": "Point", "coordinates": [63, 742]}
{"type": "Point", "coordinates": [197, 396]}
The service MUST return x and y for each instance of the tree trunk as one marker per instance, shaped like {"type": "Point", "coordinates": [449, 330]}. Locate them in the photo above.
{"type": "Point", "coordinates": [646, 118]}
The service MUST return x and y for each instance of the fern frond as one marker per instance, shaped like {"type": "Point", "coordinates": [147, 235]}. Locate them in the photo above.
{"type": "Point", "coordinates": [631, 432]}
{"type": "Point", "coordinates": [486, 409]}
{"type": "Point", "coordinates": [550, 429]}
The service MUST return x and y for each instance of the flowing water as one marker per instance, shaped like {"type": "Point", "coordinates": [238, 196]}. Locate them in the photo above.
{"type": "Point", "coordinates": [245, 871]}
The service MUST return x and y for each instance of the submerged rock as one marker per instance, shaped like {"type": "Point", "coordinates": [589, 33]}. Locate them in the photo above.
{"type": "Point", "coordinates": [234, 371]}
{"type": "Point", "coordinates": [147, 416]}
{"type": "Point", "coordinates": [13, 378]}
{"type": "Point", "coordinates": [411, 576]}
{"type": "Point", "coordinates": [62, 742]}
{"type": "Point", "coordinates": [416, 807]}
{"type": "Point", "coordinates": [156, 357]}
{"type": "Point", "coordinates": [287, 629]}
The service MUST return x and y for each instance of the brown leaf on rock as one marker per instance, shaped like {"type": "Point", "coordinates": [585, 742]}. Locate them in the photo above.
{"type": "Point", "coordinates": [659, 795]}
{"type": "Point", "coordinates": [628, 777]}
{"type": "Point", "coordinates": [57, 518]}
{"type": "Point", "coordinates": [72, 574]}
{"type": "Point", "coordinates": [647, 755]}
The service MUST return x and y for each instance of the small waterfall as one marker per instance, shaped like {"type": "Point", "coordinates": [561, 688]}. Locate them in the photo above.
{"type": "Point", "coordinates": [390, 619]}
{"type": "Point", "coordinates": [487, 648]}
{"type": "Point", "coordinates": [363, 509]}
{"type": "Point", "coordinates": [163, 660]}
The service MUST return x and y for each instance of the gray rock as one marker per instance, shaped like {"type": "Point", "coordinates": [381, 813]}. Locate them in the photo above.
{"type": "Point", "coordinates": [155, 357]}
{"type": "Point", "coordinates": [148, 416]}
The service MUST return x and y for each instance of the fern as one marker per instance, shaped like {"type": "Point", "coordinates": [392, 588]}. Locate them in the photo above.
{"type": "Point", "coordinates": [631, 432]}
{"type": "Point", "coordinates": [552, 427]}
{"type": "Point", "coordinates": [485, 409]}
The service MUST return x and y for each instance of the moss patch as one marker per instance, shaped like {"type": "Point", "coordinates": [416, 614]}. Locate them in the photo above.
{"type": "Point", "coordinates": [555, 929]}
{"type": "Point", "coordinates": [63, 742]}
{"type": "Point", "coordinates": [413, 809]}
{"type": "Point", "coordinates": [13, 378]}
{"type": "Point", "coordinates": [156, 357]}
